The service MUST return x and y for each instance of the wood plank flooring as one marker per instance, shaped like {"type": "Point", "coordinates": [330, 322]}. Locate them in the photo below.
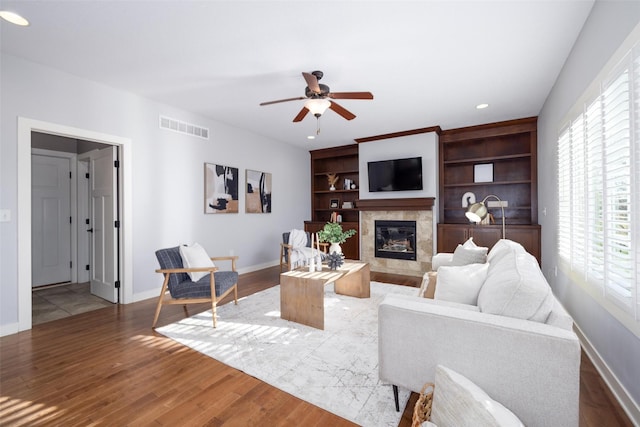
{"type": "Point", "coordinates": [108, 367]}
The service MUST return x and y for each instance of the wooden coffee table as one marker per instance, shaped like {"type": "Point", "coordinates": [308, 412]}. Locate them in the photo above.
{"type": "Point", "coordinates": [302, 292]}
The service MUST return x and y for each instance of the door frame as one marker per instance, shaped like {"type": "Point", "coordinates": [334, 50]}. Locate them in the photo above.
{"type": "Point", "coordinates": [25, 127]}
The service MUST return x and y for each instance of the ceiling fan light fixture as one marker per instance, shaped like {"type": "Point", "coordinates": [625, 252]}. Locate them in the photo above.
{"type": "Point", "coordinates": [317, 107]}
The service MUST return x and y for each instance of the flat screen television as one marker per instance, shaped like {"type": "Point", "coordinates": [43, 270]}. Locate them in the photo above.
{"type": "Point", "coordinates": [395, 175]}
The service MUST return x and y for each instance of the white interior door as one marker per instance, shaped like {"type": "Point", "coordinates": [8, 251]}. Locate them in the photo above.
{"type": "Point", "coordinates": [50, 220]}
{"type": "Point", "coordinates": [83, 222]}
{"type": "Point", "coordinates": [103, 185]}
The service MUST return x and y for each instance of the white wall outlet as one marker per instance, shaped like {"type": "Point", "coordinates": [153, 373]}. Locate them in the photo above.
{"type": "Point", "coordinates": [5, 215]}
{"type": "Point", "coordinates": [497, 204]}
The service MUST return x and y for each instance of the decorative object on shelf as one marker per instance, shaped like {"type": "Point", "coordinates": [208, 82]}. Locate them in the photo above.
{"type": "Point", "coordinates": [483, 172]}
{"type": "Point", "coordinates": [353, 186]}
{"type": "Point", "coordinates": [335, 260]}
{"type": "Point", "coordinates": [220, 189]}
{"type": "Point", "coordinates": [478, 211]}
{"type": "Point", "coordinates": [334, 203]}
{"type": "Point", "coordinates": [347, 184]}
{"type": "Point", "coordinates": [468, 199]}
{"type": "Point", "coordinates": [339, 218]}
{"type": "Point", "coordinates": [333, 233]}
{"type": "Point", "coordinates": [332, 178]}
{"type": "Point", "coordinates": [258, 195]}
{"type": "Point", "coordinates": [347, 205]}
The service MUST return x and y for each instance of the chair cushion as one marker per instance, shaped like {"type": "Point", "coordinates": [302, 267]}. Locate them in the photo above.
{"type": "Point", "coordinates": [195, 256]}
{"type": "Point", "coordinates": [171, 258]}
{"type": "Point", "coordinates": [202, 289]}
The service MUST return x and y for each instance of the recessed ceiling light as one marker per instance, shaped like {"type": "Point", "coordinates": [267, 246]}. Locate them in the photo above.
{"type": "Point", "coordinates": [481, 106]}
{"type": "Point", "coordinates": [14, 18]}
{"type": "Point", "coordinates": [311, 137]}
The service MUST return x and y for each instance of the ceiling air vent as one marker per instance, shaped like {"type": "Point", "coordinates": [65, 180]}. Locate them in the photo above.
{"type": "Point", "coordinates": [181, 127]}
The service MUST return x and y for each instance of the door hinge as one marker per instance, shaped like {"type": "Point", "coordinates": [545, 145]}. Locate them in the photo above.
{"type": "Point", "coordinates": [86, 221]}
{"type": "Point", "coordinates": [70, 264]}
{"type": "Point", "coordinates": [116, 163]}
{"type": "Point", "coordinates": [86, 175]}
{"type": "Point", "coordinates": [117, 284]}
{"type": "Point", "coordinates": [86, 267]}
{"type": "Point", "coordinates": [69, 174]}
{"type": "Point", "coordinates": [70, 220]}
{"type": "Point", "coordinates": [117, 224]}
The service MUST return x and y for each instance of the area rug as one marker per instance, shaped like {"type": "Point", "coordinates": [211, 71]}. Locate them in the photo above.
{"type": "Point", "coordinates": [335, 368]}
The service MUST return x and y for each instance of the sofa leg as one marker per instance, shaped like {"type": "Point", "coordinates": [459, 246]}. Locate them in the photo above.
{"type": "Point", "coordinates": [395, 397]}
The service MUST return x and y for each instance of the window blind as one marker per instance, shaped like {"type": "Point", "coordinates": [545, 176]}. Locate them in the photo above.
{"type": "Point", "coordinates": [599, 188]}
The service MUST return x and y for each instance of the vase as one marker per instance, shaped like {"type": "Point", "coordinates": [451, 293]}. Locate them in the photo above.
{"type": "Point", "coordinates": [335, 247]}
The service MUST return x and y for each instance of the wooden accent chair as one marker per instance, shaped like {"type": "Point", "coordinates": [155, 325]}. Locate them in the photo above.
{"type": "Point", "coordinates": [182, 290]}
{"type": "Point", "coordinates": [285, 248]}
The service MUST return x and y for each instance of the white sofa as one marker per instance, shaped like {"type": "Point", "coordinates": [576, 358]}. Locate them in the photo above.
{"type": "Point", "coordinates": [517, 342]}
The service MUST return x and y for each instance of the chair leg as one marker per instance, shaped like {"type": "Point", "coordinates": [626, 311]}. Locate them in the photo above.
{"type": "Point", "coordinates": [160, 299]}
{"type": "Point", "coordinates": [395, 397]}
{"type": "Point", "coordinates": [235, 294]}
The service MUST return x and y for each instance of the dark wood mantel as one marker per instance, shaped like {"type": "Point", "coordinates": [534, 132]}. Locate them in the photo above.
{"type": "Point", "coordinates": [415, 204]}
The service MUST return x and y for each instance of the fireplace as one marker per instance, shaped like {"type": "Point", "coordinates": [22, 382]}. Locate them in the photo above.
{"type": "Point", "coordinates": [395, 239]}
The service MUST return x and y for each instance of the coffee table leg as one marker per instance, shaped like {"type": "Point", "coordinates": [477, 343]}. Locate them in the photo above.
{"type": "Point", "coordinates": [355, 284]}
{"type": "Point", "coordinates": [302, 300]}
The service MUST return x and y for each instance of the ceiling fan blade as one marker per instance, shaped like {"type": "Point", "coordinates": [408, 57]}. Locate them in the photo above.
{"type": "Point", "coordinates": [351, 95]}
{"type": "Point", "coordinates": [342, 111]}
{"type": "Point", "coordinates": [301, 115]}
{"type": "Point", "coordinates": [312, 82]}
{"type": "Point", "coordinates": [282, 100]}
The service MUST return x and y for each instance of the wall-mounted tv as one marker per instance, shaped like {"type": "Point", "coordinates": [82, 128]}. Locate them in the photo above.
{"type": "Point", "coordinates": [395, 175]}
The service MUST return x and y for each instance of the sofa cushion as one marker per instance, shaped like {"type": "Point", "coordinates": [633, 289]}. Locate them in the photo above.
{"type": "Point", "coordinates": [460, 283]}
{"type": "Point", "coordinates": [515, 287]}
{"type": "Point", "coordinates": [464, 256]}
{"type": "Point", "coordinates": [503, 247]}
{"type": "Point", "coordinates": [458, 402]}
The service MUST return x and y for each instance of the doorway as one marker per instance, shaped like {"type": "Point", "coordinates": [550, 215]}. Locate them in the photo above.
{"type": "Point", "coordinates": [72, 182]}
{"type": "Point", "coordinates": [26, 127]}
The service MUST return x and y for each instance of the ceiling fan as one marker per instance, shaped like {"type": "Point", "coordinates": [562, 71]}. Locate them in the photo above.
{"type": "Point", "coordinates": [319, 98]}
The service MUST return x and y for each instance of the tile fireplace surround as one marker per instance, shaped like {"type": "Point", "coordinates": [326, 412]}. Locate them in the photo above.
{"type": "Point", "coordinates": [419, 210]}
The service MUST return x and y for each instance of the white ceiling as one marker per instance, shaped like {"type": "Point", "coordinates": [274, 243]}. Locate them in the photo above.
{"type": "Point", "coordinates": [427, 63]}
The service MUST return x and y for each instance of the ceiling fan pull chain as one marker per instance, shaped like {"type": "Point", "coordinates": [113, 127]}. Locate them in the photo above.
{"type": "Point", "coordinates": [318, 126]}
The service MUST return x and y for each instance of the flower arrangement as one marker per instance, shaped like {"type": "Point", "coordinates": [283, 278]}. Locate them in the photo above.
{"type": "Point", "coordinates": [333, 233]}
{"type": "Point", "coordinates": [332, 178]}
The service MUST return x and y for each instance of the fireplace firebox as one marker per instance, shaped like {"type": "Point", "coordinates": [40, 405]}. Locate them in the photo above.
{"type": "Point", "coordinates": [395, 239]}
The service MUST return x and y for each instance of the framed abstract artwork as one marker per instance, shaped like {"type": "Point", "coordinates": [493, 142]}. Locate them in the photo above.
{"type": "Point", "coordinates": [220, 189]}
{"type": "Point", "coordinates": [258, 192]}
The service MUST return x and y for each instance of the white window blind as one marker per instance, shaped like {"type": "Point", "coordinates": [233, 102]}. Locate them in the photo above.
{"type": "Point", "coordinates": [599, 188]}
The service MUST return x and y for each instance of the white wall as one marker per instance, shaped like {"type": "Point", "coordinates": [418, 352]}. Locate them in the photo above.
{"type": "Point", "coordinates": [606, 28]}
{"type": "Point", "coordinates": [167, 174]}
{"type": "Point", "coordinates": [423, 145]}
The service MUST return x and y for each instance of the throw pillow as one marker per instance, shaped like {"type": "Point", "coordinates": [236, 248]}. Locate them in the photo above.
{"type": "Point", "coordinates": [458, 402]}
{"type": "Point", "coordinates": [469, 244]}
{"type": "Point", "coordinates": [195, 256]}
{"type": "Point", "coordinates": [461, 283]}
{"type": "Point", "coordinates": [515, 287]}
{"type": "Point", "coordinates": [428, 286]}
{"type": "Point", "coordinates": [464, 256]}
{"type": "Point", "coordinates": [502, 247]}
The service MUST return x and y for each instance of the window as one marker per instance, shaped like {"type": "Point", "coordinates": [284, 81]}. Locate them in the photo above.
{"type": "Point", "coordinates": [599, 189]}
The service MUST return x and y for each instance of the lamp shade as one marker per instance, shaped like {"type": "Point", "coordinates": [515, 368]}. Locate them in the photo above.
{"type": "Point", "coordinates": [476, 212]}
{"type": "Point", "coordinates": [317, 107]}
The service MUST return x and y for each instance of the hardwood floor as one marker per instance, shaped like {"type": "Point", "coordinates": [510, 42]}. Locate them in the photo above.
{"type": "Point", "coordinates": [108, 367]}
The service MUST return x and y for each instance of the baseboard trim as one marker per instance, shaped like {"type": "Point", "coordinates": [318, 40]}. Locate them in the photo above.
{"type": "Point", "coordinates": [629, 406]}
{"type": "Point", "coordinates": [9, 329]}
